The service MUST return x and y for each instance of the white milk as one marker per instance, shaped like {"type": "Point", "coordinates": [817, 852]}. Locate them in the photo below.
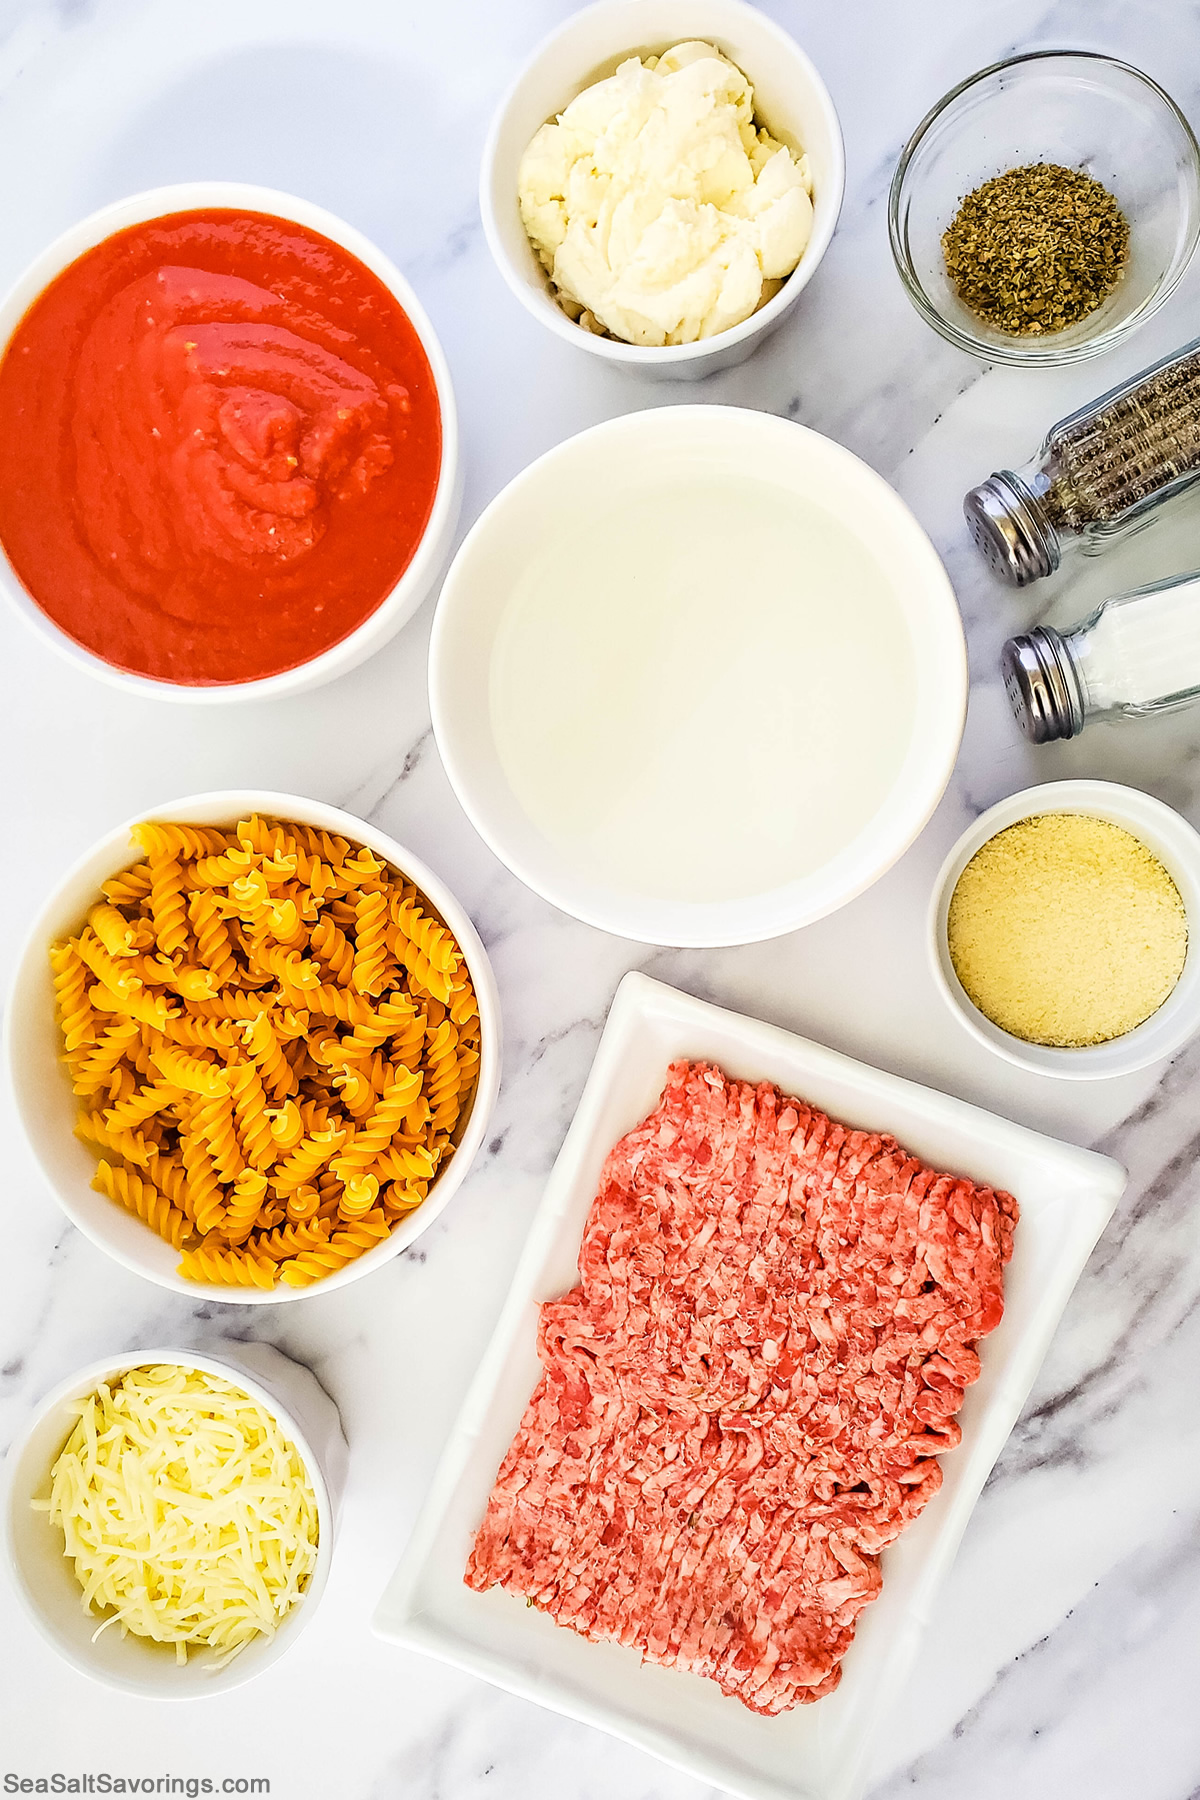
{"type": "Point", "coordinates": [701, 689]}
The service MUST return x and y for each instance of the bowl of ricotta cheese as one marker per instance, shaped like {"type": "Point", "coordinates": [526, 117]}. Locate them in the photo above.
{"type": "Point", "coordinates": [662, 181]}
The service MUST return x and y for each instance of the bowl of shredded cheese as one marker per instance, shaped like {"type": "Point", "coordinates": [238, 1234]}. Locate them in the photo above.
{"type": "Point", "coordinates": [170, 1515]}
{"type": "Point", "coordinates": [1062, 929]}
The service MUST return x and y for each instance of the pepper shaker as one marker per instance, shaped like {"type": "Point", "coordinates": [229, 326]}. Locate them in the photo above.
{"type": "Point", "coordinates": [1099, 474]}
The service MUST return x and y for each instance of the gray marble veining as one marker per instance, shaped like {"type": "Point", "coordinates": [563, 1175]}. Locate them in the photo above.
{"type": "Point", "coordinates": [1064, 1658]}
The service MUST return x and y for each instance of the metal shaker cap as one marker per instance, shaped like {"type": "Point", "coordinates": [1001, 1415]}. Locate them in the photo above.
{"type": "Point", "coordinates": [1010, 528]}
{"type": "Point", "coordinates": [1043, 687]}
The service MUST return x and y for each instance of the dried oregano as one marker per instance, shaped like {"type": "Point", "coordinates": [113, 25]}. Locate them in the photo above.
{"type": "Point", "coordinates": [1036, 249]}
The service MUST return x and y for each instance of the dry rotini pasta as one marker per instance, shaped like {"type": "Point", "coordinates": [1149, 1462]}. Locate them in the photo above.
{"type": "Point", "coordinates": [275, 1041]}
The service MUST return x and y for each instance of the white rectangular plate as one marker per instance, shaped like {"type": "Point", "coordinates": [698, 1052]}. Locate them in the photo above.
{"type": "Point", "coordinates": [817, 1752]}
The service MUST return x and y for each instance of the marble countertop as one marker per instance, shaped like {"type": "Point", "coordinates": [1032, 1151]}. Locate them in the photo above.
{"type": "Point", "coordinates": [1064, 1657]}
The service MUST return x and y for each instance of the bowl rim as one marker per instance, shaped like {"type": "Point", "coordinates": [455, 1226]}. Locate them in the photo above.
{"type": "Point", "coordinates": [1038, 353]}
{"type": "Point", "coordinates": [465, 784]}
{"type": "Point", "coordinates": [258, 1655]}
{"type": "Point", "coordinates": [236, 803]}
{"type": "Point", "coordinates": [1116, 803]}
{"type": "Point", "coordinates": [652, 356]}
{"type": "Point", "coordinates": [416, 580]}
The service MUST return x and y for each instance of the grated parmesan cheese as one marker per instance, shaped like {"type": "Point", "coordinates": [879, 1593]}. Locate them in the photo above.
{"type": "Point", "coordinates": [1066, 930]}
{"type": "Point", "coordinates": [190, 1517]}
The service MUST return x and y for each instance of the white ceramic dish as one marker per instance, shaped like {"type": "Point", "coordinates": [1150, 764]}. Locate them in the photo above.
{"type": "Point", "coordinates": [46, 1106]}
{"type": "Point", "coordinates": [790, 99]}
{"type": "Point", "coordinates": [819, 1752]}
{"type": "Point", "coordinates": [611, 465]}
{"type": "Point", "coordinates": [1177, 846]}
{"type": "Point", "coordinates": [418, 578]}
{"type": "Point", "coordinates": [45, 1579]}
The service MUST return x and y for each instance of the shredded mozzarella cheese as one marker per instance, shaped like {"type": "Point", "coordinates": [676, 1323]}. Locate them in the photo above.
{"type": "Point", "coordinates": [190, 1517]}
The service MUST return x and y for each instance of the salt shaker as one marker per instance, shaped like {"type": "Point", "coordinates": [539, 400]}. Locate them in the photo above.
{"type": "Point", "coordinates": [1136, 654]}
{"type": "Point", "coordinates": [1098, 475]}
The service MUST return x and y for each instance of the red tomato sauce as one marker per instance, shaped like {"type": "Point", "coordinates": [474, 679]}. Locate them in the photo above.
{"type": "Point", "coordinates": [220, 444]}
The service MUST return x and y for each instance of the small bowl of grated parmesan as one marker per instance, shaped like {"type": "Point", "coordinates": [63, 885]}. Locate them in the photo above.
{"type": "Point", "coordinates": [170, 1515]}
{"type": "Point", "coordinates": [1062, 929]}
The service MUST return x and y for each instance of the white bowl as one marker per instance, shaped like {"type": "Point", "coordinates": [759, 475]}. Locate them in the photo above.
{"type": "Point", "coordinates": [1177, 847]}
{"type": "Point", "coordinates": [48, 1109]}
{"type": "Point", "coordinates": [396, 608]}
{"type": "Point", "coordinates": [599, 470]}
{"type": "Point", "coordinates": [790, 99]}
{"type": "Point", "coordinates": [45, 1577]}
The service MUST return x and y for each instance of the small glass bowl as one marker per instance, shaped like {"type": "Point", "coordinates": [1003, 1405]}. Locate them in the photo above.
{"type": "Point", "coordinates": [1072, 107]}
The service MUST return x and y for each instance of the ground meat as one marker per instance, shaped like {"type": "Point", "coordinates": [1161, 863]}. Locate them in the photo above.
{"type": "Point", "coordinates": [744, 1399]}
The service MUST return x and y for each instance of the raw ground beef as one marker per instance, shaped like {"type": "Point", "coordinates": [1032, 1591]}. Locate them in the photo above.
{"type": "Point", "coordinates": [745, 1397]}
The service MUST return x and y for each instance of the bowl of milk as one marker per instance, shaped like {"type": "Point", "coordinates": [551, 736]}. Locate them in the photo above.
{"type": "Point", "coordinates": [698, 676]}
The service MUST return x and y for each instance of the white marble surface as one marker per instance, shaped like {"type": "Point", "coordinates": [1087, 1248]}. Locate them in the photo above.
{"type": "Point", "coordinates": [1065, 1655]}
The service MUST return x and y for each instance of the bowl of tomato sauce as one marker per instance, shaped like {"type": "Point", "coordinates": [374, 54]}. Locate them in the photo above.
{"type": "Point", "coordinates": [228, 447]}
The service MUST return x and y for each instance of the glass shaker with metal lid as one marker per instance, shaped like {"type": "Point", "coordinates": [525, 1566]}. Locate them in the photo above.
{"type": "Point", "coordinates": [1134, 655]}
{"type": "Point", "coordinates": [1099, 474]}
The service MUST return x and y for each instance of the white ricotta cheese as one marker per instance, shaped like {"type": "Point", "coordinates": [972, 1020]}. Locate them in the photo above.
{"type": "Point", "coordinates": [656, 204]}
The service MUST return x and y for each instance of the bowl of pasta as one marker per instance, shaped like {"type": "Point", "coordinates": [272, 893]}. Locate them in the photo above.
{"type": "Point", "coordinates": [254, 1045]}
{"type": "Point", "coordinates": [199, 1593]}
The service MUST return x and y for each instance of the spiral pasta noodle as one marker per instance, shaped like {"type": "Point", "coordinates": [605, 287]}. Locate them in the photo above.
{"type": "Point", "coordinates": [219, 870]}
{"type": "Point", "coordinates": [307, 1159]}
{"type": "Point", "coordinates": [127, 888]}
{"type": "Point", "coordinates": [215, 1122]}
{"type": "Point", "coordinates": [170, 1177]}
{"type": "Point", "coordinates": [229, 1268]}
{"type": "Point", "coordinates": [133, 1146]}
{"type": "Point", "coordinates": [443, 1078]}
{"type": "Point", "coordinates": [143, 1198]}
{"type": "Point", "coordinates": [204, 1195]}
{"type": "Point", "coordinates": [93, 1070]}
{"type": "Point", "coordinates": [177, 840]}
{"type": "Point", "coordinates": [377, 1131]}
{"type": "Point", "coordinates": [168, 908]}
{"type": "Point", "coordinates": [431, 939]}
{"type": "Point", "coordinates": [213, 945]}
{"type": "Point", "coordinates": [144, 1103]}
{"type": "Point", "coordinates": [148, 1009]}
{"type": "Point", "coordinates": [287, 1125]}
{"type": "Point", "coordinates": [313, 1116]}
{"type": "Point", "coordinates": [262, 1043]}
{"type": "Point", "coordinates": [250, 1111]}
{"type": "Point", "coordinates": [302, 1202]}
{"type": "Point", "coordinates": [410, 1166]}
{"type": "Point", "coordinates": [331, 945]}
{"type": "Point", "coordinates": [71, 998]}
{"type": "Point", "coordinates": [195, 1074]}
{"type": "Point", "coordinates": [341, 1248]}
{"type": "Point", "coordinates": [245, 1204]}
{"type": "Point", "coordinates": [118, 981]}
{"type": "Point", "coordinates": [370, 944]}
{"type": "Point", "coordinates": [204, 1034]}
{"type": "Point", "coordinates": [356, 1090]}
{"type": "Point", "coordinates": [275, 1042]}
{"type": "Point", "coordinates": [113, 929]}
{"type": "Point", "coordinates": [293, 1239]}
